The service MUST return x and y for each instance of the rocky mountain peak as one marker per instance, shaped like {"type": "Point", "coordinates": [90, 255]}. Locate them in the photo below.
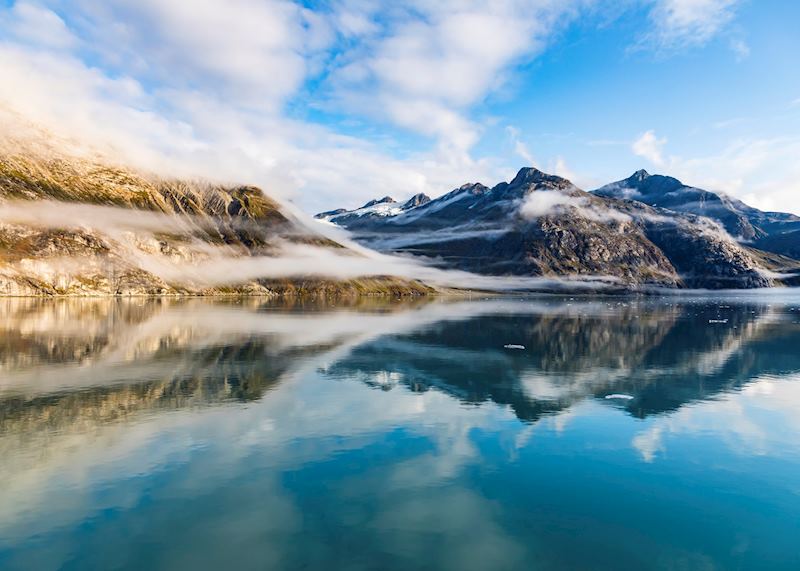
{"type": "Point", "coordinates": [416, 200]}
{"type": "Point", "coordinates": [471, 186]}
{"type": "Point", "coordinates": [384, 200]}
{"type": "Point", "coordinates": [532, 175]}
{"type": "Point", "coordinates": [653, 184]}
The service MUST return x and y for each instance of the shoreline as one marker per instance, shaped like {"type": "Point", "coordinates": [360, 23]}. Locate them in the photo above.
{"type": "Point", "coordinates": [454, 293]}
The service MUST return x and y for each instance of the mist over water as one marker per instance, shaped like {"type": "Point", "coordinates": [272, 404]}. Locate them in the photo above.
{"type": "Point", "coordinates": [646, 433]}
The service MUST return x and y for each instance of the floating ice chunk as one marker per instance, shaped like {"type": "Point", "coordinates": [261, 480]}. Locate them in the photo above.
{"type": "Point", "coordinates": [513, 346]}
{"type": "Point", "coordinates": [619, 396]}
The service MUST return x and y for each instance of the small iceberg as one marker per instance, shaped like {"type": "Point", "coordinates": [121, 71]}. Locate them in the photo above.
{"type": "Point", "coordinates": [619, 396]}
{"type": "Point", "coordinates": [513, 346]}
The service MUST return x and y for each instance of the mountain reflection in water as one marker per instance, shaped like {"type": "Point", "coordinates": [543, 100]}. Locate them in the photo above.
{"type": "Point", "coordinates": [169, 433]}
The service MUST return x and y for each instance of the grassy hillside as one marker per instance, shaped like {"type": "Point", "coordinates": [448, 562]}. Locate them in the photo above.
{"type": "Point", "coordinates": [76, 226]}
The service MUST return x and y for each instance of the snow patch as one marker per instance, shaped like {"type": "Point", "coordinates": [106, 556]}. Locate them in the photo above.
{"type": "Point", "coordinates": [382, 209]}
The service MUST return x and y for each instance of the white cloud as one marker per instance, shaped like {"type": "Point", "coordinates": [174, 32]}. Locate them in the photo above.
{"type": "Point", "coordinates": [438, 58]}
{"type": "Point", "coordinates": [545, 202]}
{"type": "Point", "coordinates": [30, 23]}
{"type": "Point", "coordinates": [520, 148]}
{"type": "Point", "coordinates": [763, 172]}
{"type": "Point", "coordinates": [255, 51]}
{"type": "Point", "coordinates": [649, 146]}
{"type": "Point", "coordinates": [542, 203]}
{"type": "Point", "coordinates": [681, 24]}
{"type": "Point", "coordinates": [201, 87]}
{"type": "Point", "coordinates": [559, 167]}
{"type": "Point", "coordinates": [196, 132]}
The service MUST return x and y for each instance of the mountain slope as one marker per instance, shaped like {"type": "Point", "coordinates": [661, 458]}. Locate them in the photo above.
{"type": "Point", "coordinates": [771, 231]}
{"type": "Point", "coordinates": [542, 225]}
{"type": "Point", "coordinates": [77, 226]}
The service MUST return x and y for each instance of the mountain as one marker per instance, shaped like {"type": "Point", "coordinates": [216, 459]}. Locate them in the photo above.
{"type": "Point", "coordinates": [78, 225]}
{"type": "Point", "coordinates": [543, 225]}
{"type": "Point", "coordinates": [771, 231]}
{"type": "Point", "coordinates": [378, 208]}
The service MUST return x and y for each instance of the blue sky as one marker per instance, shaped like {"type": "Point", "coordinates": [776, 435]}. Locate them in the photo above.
{"type": "Point", "coordinates": [331, 103]}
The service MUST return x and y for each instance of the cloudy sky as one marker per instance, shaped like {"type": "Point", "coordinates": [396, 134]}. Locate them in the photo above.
{"type": "Point", "coordinates": [330, 103]}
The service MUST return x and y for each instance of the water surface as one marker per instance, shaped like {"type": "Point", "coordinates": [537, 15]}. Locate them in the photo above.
{"type": "Point", "coordinates": [195, 434]}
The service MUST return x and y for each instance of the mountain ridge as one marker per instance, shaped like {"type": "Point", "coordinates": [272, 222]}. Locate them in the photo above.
{"type": "Point", "coordinates": [540, 224]}
{"type": "Point", "coordinates": [747, 224]}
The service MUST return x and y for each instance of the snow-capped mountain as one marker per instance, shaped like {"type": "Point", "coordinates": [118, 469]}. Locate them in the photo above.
{"type": "Point", "coordinates": [380, 208]}
{"type": "Point", "coordinates": [543, 225]}
{"type": "Point", "coordinates": [771, 231]}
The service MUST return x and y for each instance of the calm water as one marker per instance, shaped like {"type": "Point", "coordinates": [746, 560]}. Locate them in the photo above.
{"type": "Point", "coordinates": [242, 435]}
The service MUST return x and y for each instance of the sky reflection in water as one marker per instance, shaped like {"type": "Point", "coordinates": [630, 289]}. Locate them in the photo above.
{"type": "Point", "coordinates": [164, 434]}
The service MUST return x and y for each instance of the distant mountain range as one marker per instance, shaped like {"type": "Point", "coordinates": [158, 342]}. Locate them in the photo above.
{"type": "Point", "coordinates": [646, 230]}
{"type": "Point", "coordinates": [79, 225]}
{"type": "Point", "coordinates": [770, 231]}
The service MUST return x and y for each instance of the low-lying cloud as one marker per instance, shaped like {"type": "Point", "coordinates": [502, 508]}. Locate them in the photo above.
{"type": "Point", "coordinates": [137, 238]}
{"type": "Point", "coordinates": [546, 202]}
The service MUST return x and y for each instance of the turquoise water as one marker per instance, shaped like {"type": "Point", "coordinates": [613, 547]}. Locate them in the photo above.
{"type": "Point", "coordinates": [166, 434]}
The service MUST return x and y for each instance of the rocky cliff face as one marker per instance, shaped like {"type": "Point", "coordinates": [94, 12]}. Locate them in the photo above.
{"type": "Point", "coordinates": [542, 225]}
